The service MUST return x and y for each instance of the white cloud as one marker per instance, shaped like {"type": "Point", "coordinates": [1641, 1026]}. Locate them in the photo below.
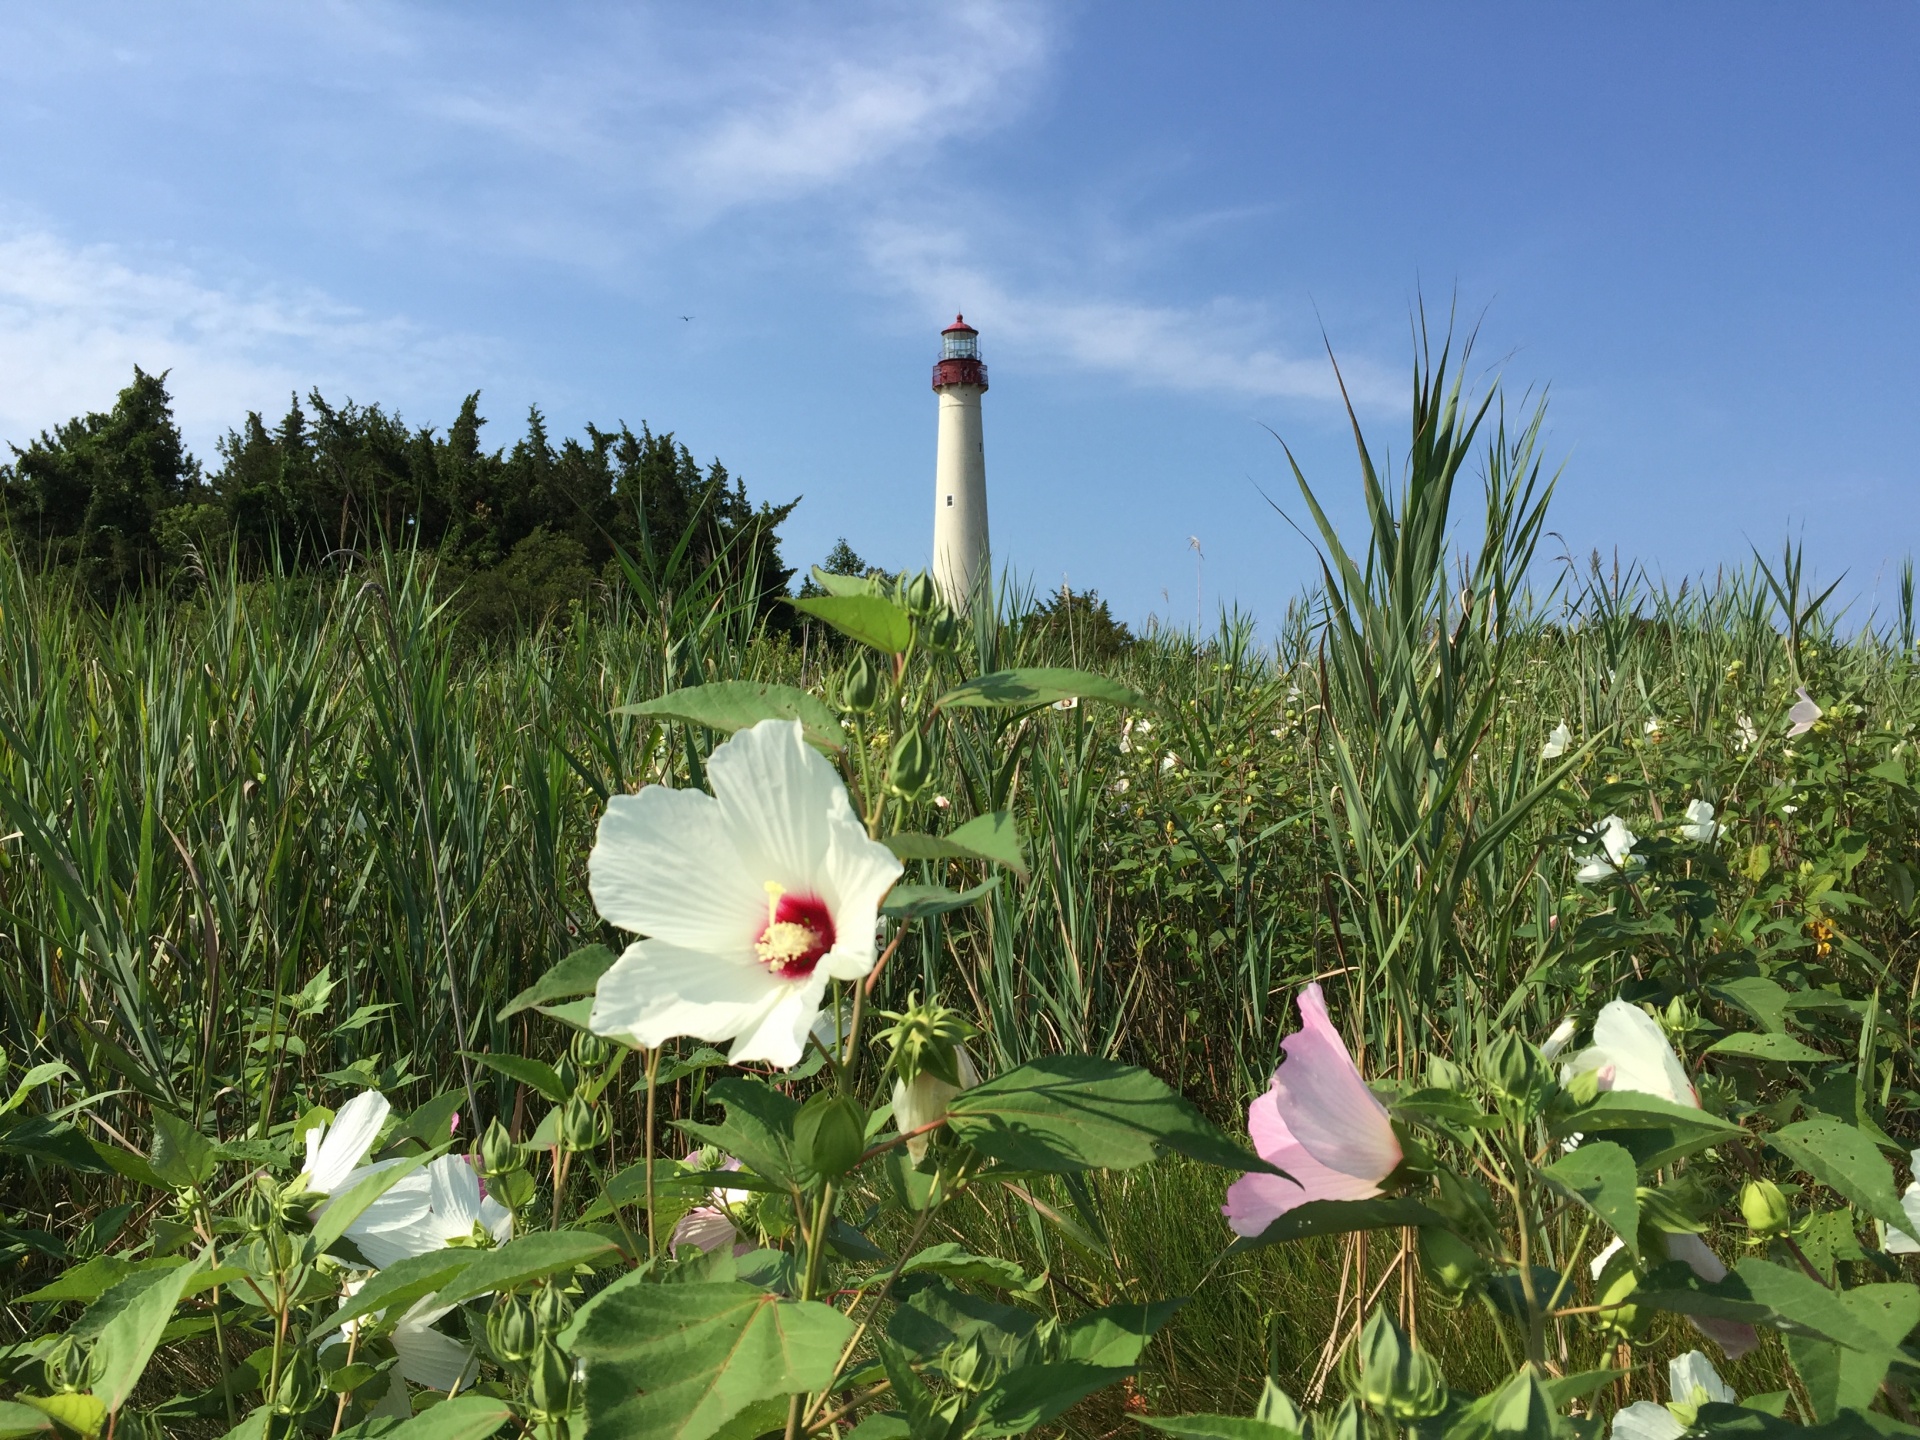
{"type": "Point", "coordinates": [74, 321]}
{"type": "Point", "coordinates": [1224, 347]}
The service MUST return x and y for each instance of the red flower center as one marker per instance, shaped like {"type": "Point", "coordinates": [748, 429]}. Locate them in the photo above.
{"type": "Point", "coordinates": [799, 930]}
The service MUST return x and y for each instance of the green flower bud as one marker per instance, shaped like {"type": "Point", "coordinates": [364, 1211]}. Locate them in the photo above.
{"type": "Point", "coordinates": [1397, 1379]}
{"type": "Point", "coordinates": [1511, 1065]}
{"type": "Point", "coordinates": [927, 1039]}
{"type": "Point", "coordinates": [944, 633]}
{"type": "Point", "coordinates": [1765, 1209]}
{"type": "Point", "coordinates": [829, 1134]}
{"type": "Point", "coordinates": [300, 1388]}
{"type": "Point", "coordinates": [511, 1330]}
{"type": "Point", "coordinates": [1450, 1264]}
{"type": "Point", "coordinates": [860, 686]}
{"type": "Point", "coordinates": [910, 772]}
{"type": "Point", "coordinates": [922, 596]}
{"type": "Point", "coordinates": [552, 1371]}
{"type": "Point", "coordinates": [552, 1309]}
{"type": "Point", "coordinates": [568, 1074]}
{"type": "Point", "coordinates": [69, 1365]}
{"type": "Point", "coordinates": [582, 1127]}
{"type": "Point", "coordinates": [590, 1052]}
{"type": "Point", "coordinates": [262, 1205]}
{"type": "Point", "coordinates": [498, 1154]}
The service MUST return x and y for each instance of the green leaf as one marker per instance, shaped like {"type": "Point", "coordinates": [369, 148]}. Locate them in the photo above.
{"type": "Point", "coordinates": [432, 1122]}
{"type": "Point", "coordinates": [955, 1263]}
{"type": "Point", "coordinates": [1838, 1378]}
{"type": "Point", "coordinates": [531, 1257]}
{"type": "Point", "coordinates": [346, 1207]}
{"type": "Point", "coordinates": [917, 902]}
{"type": "Point", "coordinates": [1216, 1427]}
{"type": "Point", "coordinates": [78, 1412]}
{"type": "Point", "coordinates": [1602, 1176]}
{"type": "Point", "coordinates": [396, 1287]}
{"type": "Point", "coordinates": [1007, 689]}
{"type": "Point", "coordinates": [464, 1417]}
{"type": "Point", "coordinates": [993, 837]}
{"type": "Point", "coordinates": [1761, 1293]}
{"type": "Point", "coordinates": [847, 584]}
{"type": "Point", "coordinates": [1116, 1334]}
{"type": "Point", "coordinates": [758, 1130]}
{"type": "Point", "coordinates": [577, 974]}
{"type": "Point", "coordinates": [1763, 999]}
{"type": "Point", "coordinates": [182, 1156]}
{"type": "Point", "coordinates": [536, 1074]}
{"type": "Point", "coordinates": [1843, 1159]}
{"type": "Point", "coordinates": [22, 1420]}
{"type": "Point", "coordinates": [870, 619]}
{"type": "Point", "coordinates": [731, 705]}
{"type": "Point", "coordinates": [1076, 1112]}
{"type": "Point", "coordinates": [1341, 1217]}
{"type": "Point", "coordinates": [1028, 1396]}
{"type": "Point", "coordinates": [1767, 1047]}
{"type": "Point", "coordinates": [125, 1325]}
{"type": "Point", "coordinates": [93, 1279]}
{"type": "Point", "coordinates": [1630, 1110]}
{"type": "Point", "coordinates": [258, 1423]}
{"type": "Point", "coordinates": [679, 1361]}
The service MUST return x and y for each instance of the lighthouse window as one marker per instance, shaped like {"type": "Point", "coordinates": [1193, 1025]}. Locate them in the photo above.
{"type": "Point", "coordinates": [949, 502]}
{"type": "Point", "coordinates": [960, 345]}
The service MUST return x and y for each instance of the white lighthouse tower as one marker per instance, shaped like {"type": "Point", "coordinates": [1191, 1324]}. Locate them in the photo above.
{"type": "Point", "coordinates": [960, 555]}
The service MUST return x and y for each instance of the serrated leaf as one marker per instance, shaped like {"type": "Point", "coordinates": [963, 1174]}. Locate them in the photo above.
{"type": "Point", "coordinates": [464, 1417]}
{"type": "Point", "coordinates": [182, 1156]}
{"type": "Point", "coordinates": [733, 705]}
{"type": "Point", "coordinates": [679, 1361]}
{"type": "Point", "coordinates": [1028, 1396]}
{"type": "Point", "coordinates": [1631, 1110]}
{"type": "Point", "coordinates": [1767, 1047]}
{"type": "Point", "coordinates": [870, 619]}
{"type": "Point", "coordinates": [1341, 1217]}
{"type": "Point", "coordinates": [1115, 1335]}
{"type": "Point", "coordinates": [531, 1257]}
{"type": "Point", "coordinates": [125, 1325]}
{"type": "Point", "coordinates": [397, 1286]}
{"type": "Point", "coordinates": [1843, 1159]}
{"type": "Point", "coordinates": [758, 1130]}
{"type": "Point", "coordinates": [993, 837]}
{"type": "Point", "coordinates": [577, 974]}
{"type": "Point", "coordinates": [536, 1074]}
{"type": "Point", "coordinates": [84, 1414]}
{"type": "Point", "coordinates": [1761, 1293]}
{"type": "Point", "coordinates": [1010, 689]}
{"type": "Point", "coordinates": [1602, 1176]}
{"type": "Point", "coordinates": [917, 902]}
{"type": "Point", "coordinates": [956, 1263]}
{"type": "Point", "coordinates": [1075, 1112]}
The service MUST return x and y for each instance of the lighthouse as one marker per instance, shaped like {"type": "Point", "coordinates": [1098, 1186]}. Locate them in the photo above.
{"type": "Point", "coordinates": [960, 557]}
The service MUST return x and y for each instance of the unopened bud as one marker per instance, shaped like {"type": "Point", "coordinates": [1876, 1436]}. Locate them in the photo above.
{"type": "Point", "coordinates": [1397, 1379]}
{"type": "Point", "coordinates": [1765, 1208]}
{"type": "Point", "coordinates": [923, 596]}
{"type": "Point", "coordinates": [581, 1126]}
{"type": "Point", "coordinates": [552, 1379]}
{"type": "Point", "coordinates": [829, 1134]}
{"type": "Point", "coordinates": [590, 1052]}
{"type": "Point", "coordinates": [1449, 1263]}
{"type": "Point", "coordinates": [262, 1206]}
{"type": "Point", "coordinates": [300, 1387]}
{"type": "Point", "coordinates": [568, 1075]}
{"type": "Point", "coordinates": [860, 686]}
{"type": "Point", "coordinates": [1512, 1066]}
{"type": "Point", "coordinates": [498, 1154]}
{"type": "Point", "coordinates": [552, 1309]}
{"type": "Point", "coordinates": [511, 1329]}
{"type": "Point", "coordinates": [910, 771]}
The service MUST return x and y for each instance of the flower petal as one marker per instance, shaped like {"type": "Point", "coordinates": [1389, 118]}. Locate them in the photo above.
{"type": "Point", "coordinates": [455, 1190]}
{"type": "Point", "coordinates": [706, 1226]}
{"type": "Point", "coordinates": [429, 1358]}
{"type": "Point", "coordinates": [1327, 1106]}
{"type": "Point", "coordinates": [1644, 1420]}
{"type": "Point", "coordinates": [346, 1141]}
{"type": "Point", "coordinates": [780, 800]}
{"type": "Point", "coordinates": [658, 990]}
{"type": "Point", "coordinates": [777, 1032]}
{"type": "Point", "coordinates": [1731, 1336]}
{"type": "Point", "coordinates": [1693, 1371]}
{"type": "Point", "coordinates": [1634, 1044]}
{"type": "Point", "coordinates": [858, 872]}
{"type": "Point", "coordinates": [1255, 1201]}
{"type": "Point", "coordinates": [665, 863]}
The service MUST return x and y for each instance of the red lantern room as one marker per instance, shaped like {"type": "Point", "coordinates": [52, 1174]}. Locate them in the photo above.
{"type": "Point", "coordinates": [959, 362]}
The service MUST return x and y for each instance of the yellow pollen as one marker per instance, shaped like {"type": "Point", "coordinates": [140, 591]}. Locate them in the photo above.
{"type": "Point", "coordinates": [784, 941]}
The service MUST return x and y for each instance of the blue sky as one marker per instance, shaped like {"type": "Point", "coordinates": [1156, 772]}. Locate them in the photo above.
{"type": "Point", "coordinates": [1697, 226]}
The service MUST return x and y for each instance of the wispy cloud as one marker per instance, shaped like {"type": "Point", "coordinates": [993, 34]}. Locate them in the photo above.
{"type": "Point", "coordinates": [1224, 347]}
{"type": "Point", "coordinates": [75, 320]}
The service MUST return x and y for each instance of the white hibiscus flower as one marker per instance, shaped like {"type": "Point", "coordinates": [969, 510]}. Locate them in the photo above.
{"type": "Point", "coordinates": [1615, 856]}
{"type": "Point", "coordinates": [428, 1210]}
{"type": "Point", "coordinates": [751, 899]}
{"type": "Point", "coordinates": [1631, 1052]}
{"type": "Point", "coordinates": [1557, 742]}
{"type": "Point", "coordinates": [423, 1355]}
{"type": "Point", "coordinates": [925, 1101]}
{"type": "Point", "coordinates": [1700, 827]}
{"type": "Point", "coordinates": [334, 1151]}
{"type": "Point", "coordinates": [1692, 1382]}
{"type": "Point", "coordinates": [1902, 1242]}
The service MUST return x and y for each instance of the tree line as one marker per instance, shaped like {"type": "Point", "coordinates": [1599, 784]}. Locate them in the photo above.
{"type": "Point", "coordinates": [116, 501]}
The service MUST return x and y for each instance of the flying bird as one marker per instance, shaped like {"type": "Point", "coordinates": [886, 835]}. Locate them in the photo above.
{"type": "Point", "coordinates": [686, 317]}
